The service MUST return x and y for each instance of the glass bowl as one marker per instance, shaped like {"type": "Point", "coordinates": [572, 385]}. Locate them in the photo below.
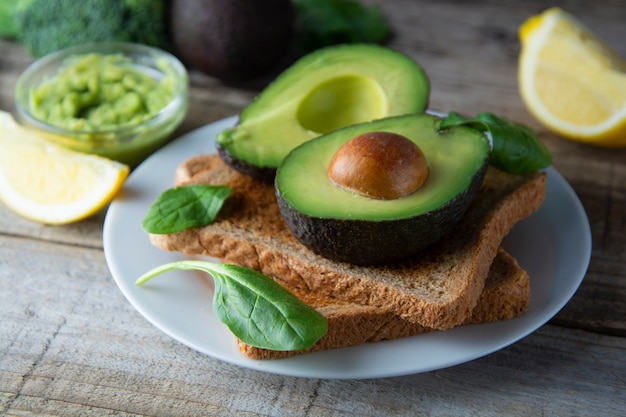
{"type": "Point", "coordinates": [86, 111]}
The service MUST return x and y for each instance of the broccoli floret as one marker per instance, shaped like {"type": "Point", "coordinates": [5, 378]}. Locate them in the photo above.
{"type": "Point", "coordinates": [8, 29]}
{"type": "Point", "coordinates": [8, 25]}
{"type": "Point", "coordinates": [45, 25]}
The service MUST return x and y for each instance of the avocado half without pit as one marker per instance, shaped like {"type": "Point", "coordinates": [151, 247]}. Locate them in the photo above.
{"type": "Point", "coordinates": [380, 191]}
{"type": "Point", "coordinates": [328, 89]}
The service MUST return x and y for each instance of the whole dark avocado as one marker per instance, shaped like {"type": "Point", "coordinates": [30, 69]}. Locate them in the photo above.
{"type": "Point", "coordinates": [341, 224]}
{"type": "Point", "coordinates": [325, 90]}
{"type": "Point", "coordinates": [233, 40]}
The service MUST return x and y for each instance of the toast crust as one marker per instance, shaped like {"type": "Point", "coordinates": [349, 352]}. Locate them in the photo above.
{"type": "Point", "coordinates": [506, 295]}
{"type": "Point", "coordinates": [438, 289]}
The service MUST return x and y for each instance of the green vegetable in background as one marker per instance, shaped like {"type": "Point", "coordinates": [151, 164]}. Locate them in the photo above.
{"type": "Point", "coordinates": [259, 311]}
{"type": "Point", "coordinates": [516, 147]}
{"type": "Point", "coordinates": [330, 22]}
{"type": "Point", "coordinates": [44, 26]}
{"type": "Point", "coordinates": [184, 207]}
{"type": "Point", "coordinates": [8, 25]}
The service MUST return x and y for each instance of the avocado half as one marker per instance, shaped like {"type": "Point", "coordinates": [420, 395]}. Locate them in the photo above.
{"type": "Point", "coordinates": [328, 89]}
{"type": "Point", "coordinates": [342, 225]}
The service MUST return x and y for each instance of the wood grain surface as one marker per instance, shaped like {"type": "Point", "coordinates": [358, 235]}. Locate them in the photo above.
{"type": "Point", "coordinates": [71, 344]}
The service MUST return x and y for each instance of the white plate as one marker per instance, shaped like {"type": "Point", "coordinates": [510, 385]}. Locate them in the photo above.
{"type": "Point", "coordinates": [553, 245]}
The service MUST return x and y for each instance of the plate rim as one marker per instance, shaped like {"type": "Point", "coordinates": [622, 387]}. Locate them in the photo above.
{"type": "Point", "coordinates": [284, 366]}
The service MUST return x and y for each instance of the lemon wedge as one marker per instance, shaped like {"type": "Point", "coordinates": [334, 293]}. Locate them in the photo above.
{"type": "Point", "coordinates": [50, 184]}
{"type": "Point", "coordinates": [571, 81]}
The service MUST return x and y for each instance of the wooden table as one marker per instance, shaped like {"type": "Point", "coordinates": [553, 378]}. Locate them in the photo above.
{"type": "Point", "coordinates": [71, 344]}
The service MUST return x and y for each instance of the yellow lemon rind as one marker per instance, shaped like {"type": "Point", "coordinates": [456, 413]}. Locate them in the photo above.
{"type": "Point", "coordinates": [49, 184]}
{"type": "Point", "coordinates": [58, 214]}
{"type": "Point", "coordinates": [533, 33]}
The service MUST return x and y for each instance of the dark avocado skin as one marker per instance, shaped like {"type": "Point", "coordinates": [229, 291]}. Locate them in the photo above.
{"type": "Point", "coordinates": [362, 242]}
{"type": "Point", "coordinates": [232, 40]}
{"type": "Point", "coordinates": [265, 174]}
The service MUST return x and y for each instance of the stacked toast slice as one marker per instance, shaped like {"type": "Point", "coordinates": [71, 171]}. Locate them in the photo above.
{"type": "Point", "coordinates": [464, 278]}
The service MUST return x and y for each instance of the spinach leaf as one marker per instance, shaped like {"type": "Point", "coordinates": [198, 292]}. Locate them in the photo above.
{"type": "Point", "coordinates": [330, 22]}
{"type": "Point", "coordinates": [516, 147]}
{"type": "Point", "coordinates": [258, 310]}
{"type": "Point", "coordinates": [184, 207]}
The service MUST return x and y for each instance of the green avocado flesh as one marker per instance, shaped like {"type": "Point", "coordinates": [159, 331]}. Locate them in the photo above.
{"type": "Point", "coordinates": [326, 90]}
{"type": "Point", "coordinates": [343, 225]}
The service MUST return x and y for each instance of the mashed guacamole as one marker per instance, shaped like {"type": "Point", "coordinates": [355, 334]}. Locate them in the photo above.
{"type": "Point", "coordinates": [96, 92]}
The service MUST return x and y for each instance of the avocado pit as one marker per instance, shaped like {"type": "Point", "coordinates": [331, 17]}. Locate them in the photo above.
{"type": "Point", "coordinates": [381, 165]}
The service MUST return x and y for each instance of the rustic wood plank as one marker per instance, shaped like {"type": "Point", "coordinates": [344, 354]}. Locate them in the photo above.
{"type": "Point", "coordinates": [13, 61]}
{"type": "Point", "coordinates": [84, 233]}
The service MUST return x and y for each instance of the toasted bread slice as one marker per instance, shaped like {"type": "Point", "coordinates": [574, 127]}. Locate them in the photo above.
{"type": "Point", "coordinates": [438, 289]}
{"type": "Point", "coordinates": [506, 295]}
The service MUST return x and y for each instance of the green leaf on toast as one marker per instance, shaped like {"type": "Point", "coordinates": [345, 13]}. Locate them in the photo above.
{"type": "Point", "coordinates": [517, 149]}
{"type": "Point", "coordinates": [185, 207]}
{"type": "Point", "coordinates": [258, 310]}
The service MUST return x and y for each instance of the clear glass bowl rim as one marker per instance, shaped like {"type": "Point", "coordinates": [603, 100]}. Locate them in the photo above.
{"type": "Point", "coordinates": [125, 48]}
